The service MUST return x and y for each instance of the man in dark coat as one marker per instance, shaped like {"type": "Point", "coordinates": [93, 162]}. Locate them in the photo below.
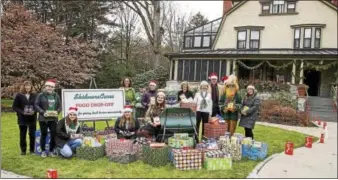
{"type": "Point", "coordinates": [249, 111]}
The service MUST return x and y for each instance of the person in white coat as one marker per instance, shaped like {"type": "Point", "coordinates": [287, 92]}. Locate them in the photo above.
{"type": "Point", "coordinates": [204, 105]}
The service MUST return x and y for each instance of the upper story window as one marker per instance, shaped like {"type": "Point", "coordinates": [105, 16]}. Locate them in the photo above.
{"type": "Point", "coordinates": [271, 7]}
{"type": "Point", "coordinates": [248, 37]}
{"type": "Point", "coordinates": [201, 37]}
{"type": "Point", "coordinates": [307, 36]}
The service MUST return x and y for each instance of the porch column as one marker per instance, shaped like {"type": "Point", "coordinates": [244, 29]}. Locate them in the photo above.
{"type": "Point", "coordinates": [301, 73]}
{"type": "Point", "coordinates": [293, 80]}
{"type": "Point", "coordinates": [234, 69]}
{"type": "Point", "coordinates": [228, 67]}
{"type": "Point", "coordinates": [171, 70]}
{"type": "Point", "coordinates": [175, 70]}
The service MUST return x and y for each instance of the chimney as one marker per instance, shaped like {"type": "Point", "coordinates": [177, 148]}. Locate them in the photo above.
{"type": "Point", "coordinates": [335, 2]}
{"type": "Point", "coordinates": [227, 5]}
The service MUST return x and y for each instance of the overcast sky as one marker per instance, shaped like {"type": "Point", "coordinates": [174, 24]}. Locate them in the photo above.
{"type": "Point", "coordinates": [211, 9]}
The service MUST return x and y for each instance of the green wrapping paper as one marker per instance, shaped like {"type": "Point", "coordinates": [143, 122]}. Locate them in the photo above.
{"type": "Point", "coordinates": [181, 142]}
{"type": "Point", "coordinates": [90, 153]}
{"type": "Point", "coordinates": [218, 163]}
{"type": "Point", "coordinates": [181, 135]}
{"type": "Point", "coordinates": [155, 156]}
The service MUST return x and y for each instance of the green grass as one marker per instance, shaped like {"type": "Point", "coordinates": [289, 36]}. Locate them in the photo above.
{"type": "Point", "coordinates": [34, 166]}
{"type": "Point", "coordinates": [7, 102]}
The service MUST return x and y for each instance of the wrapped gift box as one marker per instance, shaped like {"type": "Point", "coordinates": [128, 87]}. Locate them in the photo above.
{"type": "Point", "coordinates": [37, 147]}
{"type": "Point", "coordinates": [181, 142]}
{"type": "Point", "coordinates": [90, 153]}
{"type": "Point", "coordinates": [220, 163]}
{"type": "Point", "coordinates": [190, 105]}
{"type": "Point", "coordinates": [214, 130]}
{"type": "Point", "coordinates": [235, 150]}
{"type": "Point", "coordinates": [123, 158]}
{"type": "Point", "coordinates": [115, 146]}
{"type": "Point", "coordinates": [181, 135]}
{"type": "Point", "coordinates": [156, 156]}
{"type": "Point", "coordinates": [187, 159]}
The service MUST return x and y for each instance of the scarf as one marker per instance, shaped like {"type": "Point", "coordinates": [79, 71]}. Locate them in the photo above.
{"type": "Point", "coordinates": [72, 127]}
{"type": "Point", "coordinates": [204, 101]}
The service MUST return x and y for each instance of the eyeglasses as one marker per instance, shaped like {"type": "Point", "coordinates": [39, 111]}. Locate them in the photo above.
{"type": "Point", "coordinates": [74, 115]}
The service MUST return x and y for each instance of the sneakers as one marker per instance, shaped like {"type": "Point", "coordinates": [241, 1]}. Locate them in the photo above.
{"type": "Point", "coordinates": [51, 154]}
{"type": "Point", "coordinates": [44, 154]}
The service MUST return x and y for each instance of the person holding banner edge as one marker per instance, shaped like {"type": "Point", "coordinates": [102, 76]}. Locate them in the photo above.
{"type": "Point", "coordinates": [48, 104]}
{"type": "Point", "coordinates": [68, 136]}
{"type": "Point", "coordinates": [126, 126]}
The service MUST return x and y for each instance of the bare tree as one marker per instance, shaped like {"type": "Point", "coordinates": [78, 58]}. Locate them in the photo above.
{"type": "Point", "coordinates": [150, 15]}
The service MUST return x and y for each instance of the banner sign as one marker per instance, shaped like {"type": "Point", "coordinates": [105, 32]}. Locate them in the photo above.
{"type": "Point", "coordinates": [94, 104]}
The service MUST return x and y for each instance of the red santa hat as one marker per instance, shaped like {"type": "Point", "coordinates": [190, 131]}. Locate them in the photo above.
{"type": "Point", "coordinates": [213, 76]}
{"type": "Point", "coordinates": [127, 108]}
{"type": "Point", "coordinates": [224, 79]}
{"type": "Point", "coordinates": [72, 110]}
{"type": "Point", "coordinates": [153, 82]}
{"type": "Point", "coordinates": [50, 82]}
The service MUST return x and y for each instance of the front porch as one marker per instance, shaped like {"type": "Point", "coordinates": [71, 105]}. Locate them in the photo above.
{"type": "Point", "coordinates": [315, 68]}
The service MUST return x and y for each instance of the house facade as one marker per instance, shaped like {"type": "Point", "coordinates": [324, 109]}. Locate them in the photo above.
{"type": "Point", "coordinates": [289, 41]}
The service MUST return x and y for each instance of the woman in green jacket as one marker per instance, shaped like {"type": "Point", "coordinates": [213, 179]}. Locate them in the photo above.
{"type": "Point", "coordinates": [130, 97]}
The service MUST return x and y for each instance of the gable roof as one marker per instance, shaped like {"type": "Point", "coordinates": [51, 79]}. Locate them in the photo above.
{"type": "Point", "coordinates": [329, 4]}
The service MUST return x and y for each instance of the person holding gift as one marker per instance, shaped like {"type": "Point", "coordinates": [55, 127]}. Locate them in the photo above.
{"type": "Point", "coordinates": [216, 91]}
{"type": "Point", "coordinates": [152, 117]}
{"type": "Point", "coordinates": [126, 126]}
{"type": "Point", "coordinates": [249, 111]}
{"type": "Point", "coordinates": [150, 96]}
{"type": "Point", "coordinates": [185, 94]}
{"type": "Point", "coordinates": [129, 91]}
{"type": "Point", "coordinates": [48, 104]}
{"type": "Point", "coordinates": [68, 136]}
{"type": "Point", "coordinates": [203, 100]}
{"type": "Point", "coordinates": [23, 105]}
{"type": "Point", "coordinates": [231, 103]}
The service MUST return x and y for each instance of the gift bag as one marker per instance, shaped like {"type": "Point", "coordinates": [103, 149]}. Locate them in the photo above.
{"type": "Point", "coordinates": [115, 146]}
{"type": "Point", "coordinates": [156, 156]}
{"type": "Point", "coordinates": [181, 142]}
{"type": "Point", "coordinates": [37, 147]}
{"type": "Point", "coordinates": [220, 163]}
{"type": "Point", "coordinates": [187, 159]}
{"type": "Point", "coordinates": [123, 158]}
{"type": "Point", "coordinates": [90, 153]}
{"type": "Point", "coordinates": [235, 150]}
{"type": "Point", "coordinates": [214, 130]}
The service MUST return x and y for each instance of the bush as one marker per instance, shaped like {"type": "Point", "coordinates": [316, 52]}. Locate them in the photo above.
{"type": "Point", "coordinates": [265, 86]}
{"type": "Point", "coordinates": [160, 75]}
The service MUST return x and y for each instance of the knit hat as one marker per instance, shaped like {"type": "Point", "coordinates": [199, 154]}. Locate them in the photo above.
{"type": "Point", "coordinates": [73, 110]}
{"type": "Point", "coordinates": [161, 94]}
{"type": "Point", "coordinates": [251, 87]}
{"type": "Point", "coordinates": [204, 83]}
{"type": "Point", "coordinates": [50, 82]}
{"type": "Point", "coordinates": [225, 79]}
{"type": "Point", "coordinates": [127, 108]}
{"type": "Point", "coordinates": [213, 76]}
{"type": "Point", "coordinates": [153, 82]}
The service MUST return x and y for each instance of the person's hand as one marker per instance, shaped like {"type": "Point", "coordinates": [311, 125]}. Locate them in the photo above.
{"type": "Point", "coordinates": [225, 109]}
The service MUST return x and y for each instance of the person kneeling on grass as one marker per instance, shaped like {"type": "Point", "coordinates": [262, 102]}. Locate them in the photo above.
{"type": "Point", "coordinates": [126, 126]}
{"type": "Point", "coordinates": [67, 134]}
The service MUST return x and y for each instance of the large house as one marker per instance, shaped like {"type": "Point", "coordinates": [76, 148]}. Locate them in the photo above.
{"type": "Point", "coordinates": [289, 41]}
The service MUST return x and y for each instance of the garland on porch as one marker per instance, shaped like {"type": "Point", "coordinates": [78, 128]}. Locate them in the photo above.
{"type": "Point", "coordinates": [250, 68]}
{"type": "Point", "coordinates": [320, 67]}
{"type": "Point", "coordinates": [269, 64]}
{"type": "Point", "coordinates": [279, 67]}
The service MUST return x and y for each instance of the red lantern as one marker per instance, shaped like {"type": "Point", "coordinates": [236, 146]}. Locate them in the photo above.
{"type": "Point", "coordinates": [289, 148]}
{"type": "Point", "coordinates": [308, 142]}
{"type": "Point", "coordinates": [319, 122]}
{"type": "Point", "coordinates": [52, 174]}
{"type": "Point", "coordinates": [324, 124]}
{"type": "Point", "coordinates": [321, 140]}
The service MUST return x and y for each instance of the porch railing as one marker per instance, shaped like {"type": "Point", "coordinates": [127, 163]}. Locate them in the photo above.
{"type": "Point", "coordinates": [334, 90]}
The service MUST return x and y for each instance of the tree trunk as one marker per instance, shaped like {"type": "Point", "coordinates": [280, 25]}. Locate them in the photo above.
{"type": "Point", "coordinates": [157, 34]}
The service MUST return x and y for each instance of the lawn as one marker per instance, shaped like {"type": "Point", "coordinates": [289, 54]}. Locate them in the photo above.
{"type": "Point", "coordinates": [34, 166]}
{"type": "Point", "coordinates": [7, 102]}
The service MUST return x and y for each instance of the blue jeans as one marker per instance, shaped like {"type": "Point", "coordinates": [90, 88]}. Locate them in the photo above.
{"type": "Point", "coordinates": [69, 147]}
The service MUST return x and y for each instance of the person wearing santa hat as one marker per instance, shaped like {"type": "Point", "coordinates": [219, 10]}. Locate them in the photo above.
{"type": "Point", "coordinates": [68, 136]}
{"type": "Point", "coordinates": [127, 126]}
{"type": "Point", "coordinates": [149, 97]}
{"type": "Point", "coordinates": [152, 117]}
{"type": "Point", "coordinates": [48, 105]}
{"type": "Point", "coordinates": [216, 91]}
{"type": "Point", "coordinates": [249, 111]}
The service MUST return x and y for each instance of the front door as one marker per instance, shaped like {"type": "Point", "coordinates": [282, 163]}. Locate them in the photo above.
{"type": "Point", "coordinates": [312, 79]}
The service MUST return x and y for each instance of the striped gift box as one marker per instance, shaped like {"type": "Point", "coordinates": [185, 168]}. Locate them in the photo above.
{"type": "Point", "coordinates": [187, 159]}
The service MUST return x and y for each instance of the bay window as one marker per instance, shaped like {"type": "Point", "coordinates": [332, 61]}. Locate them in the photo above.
{"type": "Point", "coordinates": [307, 38]}
{"type": "Point", "coordinates": [254, 39]}
{"type": "Point", "coordinates": [241, 39]}
{"type": "Point", "coordinates": [296, 42]}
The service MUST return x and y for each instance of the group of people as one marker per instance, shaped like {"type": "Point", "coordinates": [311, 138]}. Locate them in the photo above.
{"type": "Point", "coordinates": [211, 100]}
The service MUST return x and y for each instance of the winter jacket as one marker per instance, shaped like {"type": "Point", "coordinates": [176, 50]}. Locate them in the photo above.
{"type": "Point", "coordinates": [237, 104]}
{"type": "Point", "coordinates": [41, 106]}
{"type": "Point", "coordinates": [188, 94]}
{"type": "Point", "coordinates": [253, 103]}
{"type": "Point", "coordinates": [19, 104]}
{"type": "Point", "coordinates": [130, 96]}
{"type": "Point", "coordinates": [198, 100]}
{"type": "Point", "coordinates": [62, 136]}
{"type": "Point", "coordinates": [219, 89]}
{"type": "Point", "coordinates": [146, 98]}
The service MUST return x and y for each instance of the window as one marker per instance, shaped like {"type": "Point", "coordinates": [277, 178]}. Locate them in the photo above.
{"type": "Point", "coordinates": [278, 6]}
{"type": "Point", "coordinates": [254, 39]}
{"type": "Point", "coordinates": [317, 37]}
{"type": "Point", "coordinates": [296, 42]}
{"type": "Point", "coordinates": [197, 41]}
{"type": "Point", "coordinates": [241, 40]}
{"type": "Point", "coordinates": [265, 8]}
{"type": "Point", "coordinates": [188, 42]}
{"type": "Point", "coordinates": [291, 7]}
{"type": "Point", "coordinates": [206, 41]}
{"type": "Point", "coordinates": [307, 38]}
